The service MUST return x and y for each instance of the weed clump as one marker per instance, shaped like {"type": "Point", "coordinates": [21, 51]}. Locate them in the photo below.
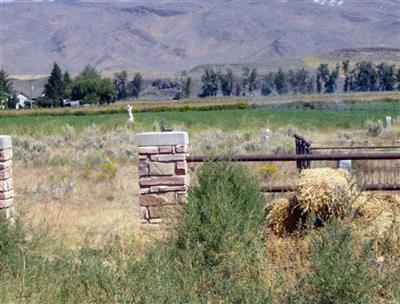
{"type": "Point", "coordinates": [341, 268]}
{"type": "Point", "coordinates": [217, 253]}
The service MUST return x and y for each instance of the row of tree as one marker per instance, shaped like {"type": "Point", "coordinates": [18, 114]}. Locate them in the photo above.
{"type": "Point", "coordinates": [363, 76]}
{"type": "Point", "coordinates": [127, 89]}
{"type": "Point", "coordinates": [89, 87]}
{"type": "Point", "coordinates": [212, 81]}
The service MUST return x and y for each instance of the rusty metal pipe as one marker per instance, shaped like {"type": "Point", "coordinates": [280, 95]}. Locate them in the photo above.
{"type": "Point", "coordinates": [355, 148]}
{"type": "Point", "coordinates": [369, 187]}
{"type": "Point", "coordinates": [298, 157]}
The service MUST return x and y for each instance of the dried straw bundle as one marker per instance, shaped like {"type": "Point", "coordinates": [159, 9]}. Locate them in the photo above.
{"type": "Point", "coordinates": [370, 205]}
{"type": "Point", "coordinates": [284, 216]}
{"type": "Point", "coordinates": [379, 216]}
{"type": "Point", "coordinates": [325, 192]}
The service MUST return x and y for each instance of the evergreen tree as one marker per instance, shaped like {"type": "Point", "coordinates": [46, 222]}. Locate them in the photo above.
{"type": "Point", "coordinates": [249, 80]}
{"type": "Point", "coordinates": [387, 77]}
{"type": "Point", "coordinates": [346, 70]}
{"type": "Point", "coordinates": [238, 89]}
{"type": "Point", "coordinates": [398, 79]}
{"type": "Point", "coordinates": [268, 85]}
{"type": "Point", "coordinates": [209, 83]}
{"type": "Point", "coordinates": [7, 96]}
{"type": "Point", "coordinates": [226, 81]}
{"type": "Point", "coordinates": [135, 86]}
{"type": "Point", "coordinates": [292, 81]}
{"type": "Point", "coordinates": [322, 76]}
{"type": "Point", "coordinates": [121, 85]}
{"type": "Point", "coordinates": [5, 83]}
{"type": "Point", "coordinates": [365, 77]}
{"type": "Point", "coordinates": [352, 81]}
{"type": "Point", "coordinates": [54, 88]}
{"type": "Point", "coordinates": [310, 85]}
{"type": "Point", "coordinates": [330, 85]}
{"type": "Point", "coordinates": [301, 78]}
{"type": "Point", "coordinates": [280, 82]}
{"type": "Point", "coordinates": [67, 83]}
{"type": "Point", "coordinates": [186, 87]}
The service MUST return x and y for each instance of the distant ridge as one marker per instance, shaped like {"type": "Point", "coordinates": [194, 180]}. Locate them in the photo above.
{"type": "Point", "coordinates": [165, 37]}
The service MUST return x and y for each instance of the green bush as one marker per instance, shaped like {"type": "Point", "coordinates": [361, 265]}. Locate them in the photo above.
{"type": "Point", "coordinates": [224, 209]}
{"type": "Point", "coordinates": [341, 268]}
{"type": "Point", "coordinates": [44, 102]}
{"type": "Point", "coordinates": [217, 253]}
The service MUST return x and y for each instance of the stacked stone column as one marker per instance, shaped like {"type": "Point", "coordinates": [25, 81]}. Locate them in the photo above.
{"type": "Point", "coordinates": [6, 183]}
{"type": "Point", "coordinates": [163, 174]}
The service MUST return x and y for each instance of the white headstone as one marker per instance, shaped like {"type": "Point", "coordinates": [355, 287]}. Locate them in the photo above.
{"type": "Point", "coordinates": [345, 164]}
{"type": "Point", "coordinates": [130, 108]}
{"type": "Point", "coordinates": [267, 135]}
{"type": "Point", "coordinates": [388, 122]}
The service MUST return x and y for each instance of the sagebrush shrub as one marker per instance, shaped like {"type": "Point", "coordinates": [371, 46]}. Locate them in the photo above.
{"type": "Point", "coordinates": [341, 267]}
{"type": "Point", "coordinates": [217, 253]}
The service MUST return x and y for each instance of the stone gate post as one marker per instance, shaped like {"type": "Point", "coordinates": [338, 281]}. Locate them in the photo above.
{"type": "Point", "coordinates": [163, 173]}
{"type": "Point", "coordinates": [6, 182]}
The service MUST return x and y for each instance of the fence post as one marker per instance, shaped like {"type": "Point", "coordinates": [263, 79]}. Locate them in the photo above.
{"type": "Point", "coordinates": [6, 182]}
{"type": "Point", "coordinates": [163, 174]}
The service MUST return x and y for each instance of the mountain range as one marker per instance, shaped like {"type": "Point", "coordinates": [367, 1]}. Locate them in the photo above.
{"type": "Point", "coordinates": [163, 37]}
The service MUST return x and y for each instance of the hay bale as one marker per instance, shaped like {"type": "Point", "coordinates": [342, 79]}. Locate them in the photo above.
{"type": "Point", "coordinates": [386, 225]}
{"type": "Point", "coordinates": [370, 205]}
{"type": "Point", "coordinates": [284, 216]}
{"type": "Point", "coordinates": [325, 192]}
{"type": "Point", "coordinates": [379, 216]}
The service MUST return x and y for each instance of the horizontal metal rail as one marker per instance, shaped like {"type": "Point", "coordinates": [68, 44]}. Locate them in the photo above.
{"type": "Point", "coordinates": [369, 187]}
{"type": "Point", "coordinates": [298, 157]}
{"type": "Point", "coordinates": [355, 148]}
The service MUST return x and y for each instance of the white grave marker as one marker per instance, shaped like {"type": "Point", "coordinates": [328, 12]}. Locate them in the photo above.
{"type": "Point", "coordinates": [388, 122]}
{"type": "Point", "coordinates": [345, 164]}
{"type": "Point", "coordinates": [267, 135]}
{"type": "Point", "coordinates": [131, 119]}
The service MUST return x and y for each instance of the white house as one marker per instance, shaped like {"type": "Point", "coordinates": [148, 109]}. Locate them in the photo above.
{"type": "Point", "coordinates": [23, 101]}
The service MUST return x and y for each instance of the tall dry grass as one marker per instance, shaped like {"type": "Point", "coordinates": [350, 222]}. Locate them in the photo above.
{"type": "Point", "coordinates": [71, 176]}
{"type": "Point", "coordinates": [77, 196]}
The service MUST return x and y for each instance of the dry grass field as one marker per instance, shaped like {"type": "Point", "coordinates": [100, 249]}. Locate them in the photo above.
{"type": "Point", "coordinates": [79, 189]}
{"type": "Point", "coordinates": [78, 208]}
{"type": "Point", "coordinates": [84, 184]}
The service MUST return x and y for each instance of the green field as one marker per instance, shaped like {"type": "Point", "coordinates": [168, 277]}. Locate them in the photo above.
{"type": "Point", "coordinates": [195, 120]}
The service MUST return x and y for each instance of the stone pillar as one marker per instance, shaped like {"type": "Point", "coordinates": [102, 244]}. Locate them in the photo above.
{"type": "Point", "coordinates": [163, 173]}
{"type": "Point", "coordinates": [6, 183]}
